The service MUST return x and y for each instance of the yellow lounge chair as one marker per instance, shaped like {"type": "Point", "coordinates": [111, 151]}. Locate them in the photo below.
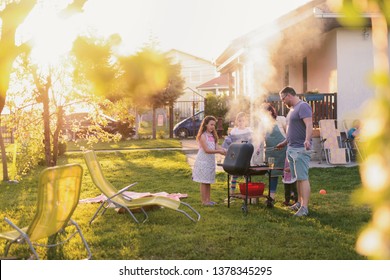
{"type": "Point", "coordinates": [58, 196]}
{"type": "Point", "coordinates": [119, 200]}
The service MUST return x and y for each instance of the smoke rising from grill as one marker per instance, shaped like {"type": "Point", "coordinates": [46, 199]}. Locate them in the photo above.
{"type": "Point", "coordinates": [270, 54]}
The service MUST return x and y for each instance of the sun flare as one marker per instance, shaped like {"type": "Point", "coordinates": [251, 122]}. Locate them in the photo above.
{"type": "Point", "coordinates": [49, 35]}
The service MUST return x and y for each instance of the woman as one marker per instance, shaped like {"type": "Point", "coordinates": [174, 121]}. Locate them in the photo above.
{"type": "Point", "coordinates": [273, 137]}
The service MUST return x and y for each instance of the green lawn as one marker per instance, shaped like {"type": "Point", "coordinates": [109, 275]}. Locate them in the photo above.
{"type": "Point", "coordinates": [330, 232]}
{"type": "Point", "coordinates": [125, 145]}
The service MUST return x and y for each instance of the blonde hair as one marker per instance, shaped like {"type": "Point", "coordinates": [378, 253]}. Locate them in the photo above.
{"type": "Point", "coordinates": [356, 123]}
{"type": "Point", "coordinates": [203, 127]}
{"type": "Point", "coordinates": [239, 116]}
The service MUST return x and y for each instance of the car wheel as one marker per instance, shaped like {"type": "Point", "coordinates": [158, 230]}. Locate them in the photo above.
{"type": "Point", "coordinates": [127, 133]}
{"type": "Point", "coordinates": [182, 133]}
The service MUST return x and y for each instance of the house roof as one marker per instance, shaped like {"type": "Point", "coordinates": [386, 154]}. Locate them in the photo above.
{"type": "Point", "coordinates": [219, 82]}
{"type": "Point", "coordinates": [266, 32]}
{"type": "Point", "coordinates": [187, 54]}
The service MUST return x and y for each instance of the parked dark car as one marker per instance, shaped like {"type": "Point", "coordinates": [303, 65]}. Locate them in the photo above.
{"type": "Point", "coordinates": [78, 125]}
{"type": "Point", "coordinates": [189, 127]}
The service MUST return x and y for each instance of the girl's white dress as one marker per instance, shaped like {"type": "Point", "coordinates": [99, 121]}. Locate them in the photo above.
{"type": "Point", "coordinates": [204, 166]}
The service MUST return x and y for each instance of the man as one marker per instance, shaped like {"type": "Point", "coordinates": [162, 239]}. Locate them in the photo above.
{"type": "Point", "coordinates": [298, 141]}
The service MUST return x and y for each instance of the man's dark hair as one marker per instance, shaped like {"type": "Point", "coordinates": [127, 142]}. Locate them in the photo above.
{"type": "Point", "coordinates": [288, 90]}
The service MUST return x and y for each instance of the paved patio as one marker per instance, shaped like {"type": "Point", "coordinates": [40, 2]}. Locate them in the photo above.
{"type": "Point", "coordinates": [190, 147]}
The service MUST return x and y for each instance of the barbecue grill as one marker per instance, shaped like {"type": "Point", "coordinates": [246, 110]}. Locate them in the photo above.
{"type": "Point", "coordinates": [237, 163]}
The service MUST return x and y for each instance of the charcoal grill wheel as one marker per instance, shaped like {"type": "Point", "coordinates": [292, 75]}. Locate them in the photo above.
{"type": "Point", "coordinates": [270, 204]}
{"type": "Point", "coordinates": [244, 209]}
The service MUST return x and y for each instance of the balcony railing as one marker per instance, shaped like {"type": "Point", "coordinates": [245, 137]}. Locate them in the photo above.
{"type": "Point", "coordinates": [324, 105]}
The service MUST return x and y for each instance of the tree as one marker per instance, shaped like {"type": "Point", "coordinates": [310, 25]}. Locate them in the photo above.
{"type": "Point", "coordinates": [143, 74]}
{"type": "Point", "coordinates": [43, 96]}
{"type": "Point", "coordinates": [43, 87]}
{"type": "Point", "coordinates": [145, 80]}
{"type": "Point", "coordinates": [12, 16]}
{"type": "Point", "coordinates": [169, 94]}
{"type": "Point", "coordinates": [149, 80]}
{"type": "Point", "coordinates": [95, 72]}
{"type": "Point", "coordinates": [216, 105]}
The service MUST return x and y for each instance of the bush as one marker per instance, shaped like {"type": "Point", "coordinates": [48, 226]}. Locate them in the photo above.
{"type": "Point", "coordinates": [144, 124]}
{"type": "Point", "coordinates": [216, 105]}
{"type": "Point", "coordinates": [161, 134]}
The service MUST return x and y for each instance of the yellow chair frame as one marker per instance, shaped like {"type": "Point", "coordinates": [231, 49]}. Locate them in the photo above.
{"type": "Point", "coordinates": [119, 200]}
{"type": "Point", "coordinates": [58, 196]}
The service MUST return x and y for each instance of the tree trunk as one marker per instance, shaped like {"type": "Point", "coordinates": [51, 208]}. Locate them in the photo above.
{"type": "Point", "coordinates": [2, 147]}
{"type": "Point", "coordinates": [12, 15]}
{"type": "Point", "coordinates": [46, 129]}
{"type": "Point", "coordinates": [44, 98]}
{"type": "Point", "coordinates": [56, 134]}
{"type": "Point", "coordinates": [154, 124]}
{"type": "Point", "coordinates": [3, 158]}
{"type": "Point", "coordinates": [170, 120]}
{"type": "Point", "coordinates": [137, 123]}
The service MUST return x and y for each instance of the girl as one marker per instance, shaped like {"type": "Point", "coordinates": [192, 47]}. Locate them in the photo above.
{"type": "Point", "coordinates": [239, 134]}
{"type": "Point", "coordinates": [204, 166]}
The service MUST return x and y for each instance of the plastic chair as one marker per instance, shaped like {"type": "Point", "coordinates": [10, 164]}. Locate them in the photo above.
{"type": "Point", "coordinates": [352, 143]}
{"type": "Point", "coordinates": [119, 200]}
{"type": "Point", "coordinates": [332, 145]}
{"type": "Point", "coordinates": [58, 196]}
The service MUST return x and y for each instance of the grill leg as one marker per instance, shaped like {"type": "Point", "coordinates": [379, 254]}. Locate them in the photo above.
{"type": "Point", "coordinates": [228, 189]}
{"type": "Point", "coordinates": [269, 199]}
{"type": "Point", "coordinates": [245, 206]}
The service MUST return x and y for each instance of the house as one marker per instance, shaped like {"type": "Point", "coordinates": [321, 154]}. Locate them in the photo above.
{"type": "Point", "coordinates": [309, 50]}
{"type": "Point", "coordinates": [195, 71]}
{"type": "Point", "coordinates": [218, 86]}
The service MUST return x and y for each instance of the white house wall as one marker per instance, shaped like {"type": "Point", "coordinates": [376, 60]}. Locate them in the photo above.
{"type": "Point", "coordinates": [342, 64]}
{"type": "Point", "coordinates": [322, 66]}
{"type": "Point", "coordinates": [295, 77]}
{"type": "Point", "coordinates": [195, 72]}
{"type": "Point", "coordinates": [354, 64]}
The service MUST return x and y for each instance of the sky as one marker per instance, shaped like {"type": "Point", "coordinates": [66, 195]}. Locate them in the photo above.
{"type": "Point", "coordinates": [200, 27]}
{"type": "Point", "coordinates": [203, 28]}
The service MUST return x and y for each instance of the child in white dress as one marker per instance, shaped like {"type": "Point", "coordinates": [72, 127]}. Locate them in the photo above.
{"type": "Point", "coordinates": [204, 166]}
